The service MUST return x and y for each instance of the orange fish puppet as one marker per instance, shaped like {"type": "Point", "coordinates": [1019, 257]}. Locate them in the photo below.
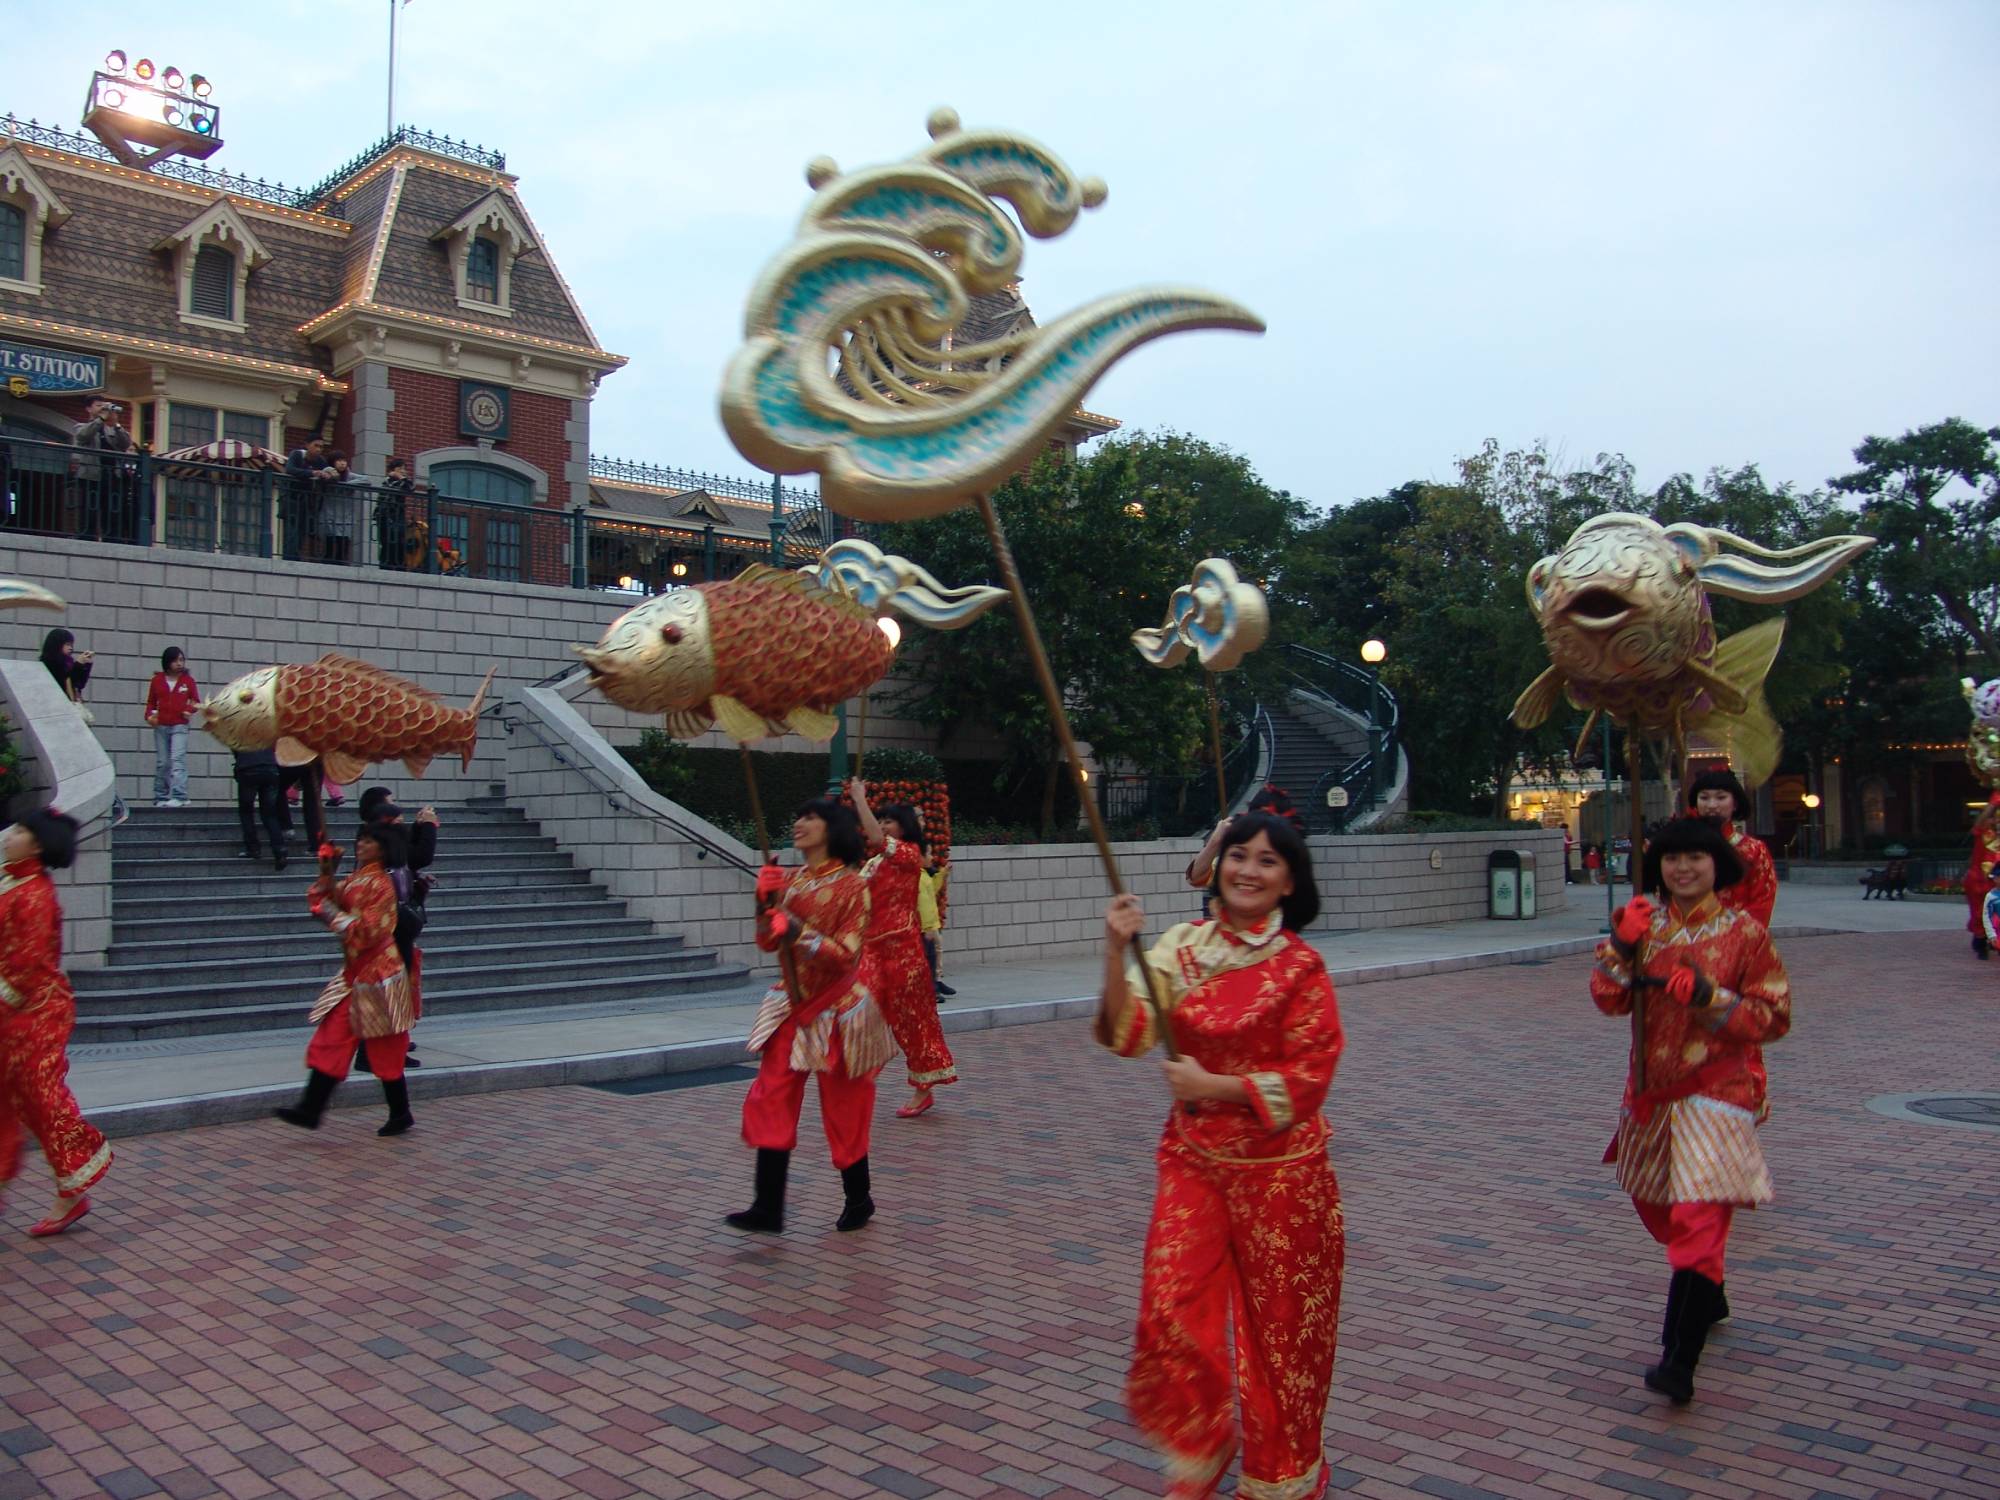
{"type": "Point", "coordinates": [768, 651]}
{"type": "Point", "coordinates": [343, 712]}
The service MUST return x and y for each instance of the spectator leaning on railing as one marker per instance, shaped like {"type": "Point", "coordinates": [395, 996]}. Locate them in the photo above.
{"type": "Point", "coordinates": [307, 471]}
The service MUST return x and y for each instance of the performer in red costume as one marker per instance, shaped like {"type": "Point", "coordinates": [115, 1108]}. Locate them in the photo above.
{"type": "Point", "coordinates": [1718, 794]}
{"type": "Point", "coordinates": [1686, 1148]}
{"type": "Point", "coordinates": [369, 1000]}
{"type": "Point", "coordinates": [818, 1020]}
{"type": "Point", "coordinates": [37, 1013]}
{"type": "Point", "coordinates": [893, 966]}
{"type": "Point", "coordinates": [1247, 1220]}
{"type": "Point", "coordinates": [1979, 872]}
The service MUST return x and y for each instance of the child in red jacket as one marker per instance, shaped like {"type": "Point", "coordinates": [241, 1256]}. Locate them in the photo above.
{"type": "Point", "coordinates": [170, 704]}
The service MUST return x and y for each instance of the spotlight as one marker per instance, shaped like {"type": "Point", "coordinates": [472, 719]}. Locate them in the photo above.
{"type": "Point", "coordinates": [173, 79]}
{"type": "Point", "coordinates": [143, 70]}
{"type": "Point", "coordinates": [200, 87]}
{"type": "Point", "coordinates": [114, 62]}
{"type": "Point", "coordinates": [113, 98]}
{"type": "Point", "coordinates": [172, 115]}
{"type": "Point", "coordinates": [204, 124]}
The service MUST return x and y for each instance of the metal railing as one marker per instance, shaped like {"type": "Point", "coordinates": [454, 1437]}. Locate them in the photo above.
{"type": "Point", "coordinates": [625, 471]}
{"type": "Point", "coordinates": [1364, 780]}
{"type": "Point", "coordinates": [53, 489]}
{"type": "Point", "coordinates": [402, 135]}
{"type": "Point", "coordinates": [1181, 806]}
{"type": "Point", "coordinates": [183, 171]}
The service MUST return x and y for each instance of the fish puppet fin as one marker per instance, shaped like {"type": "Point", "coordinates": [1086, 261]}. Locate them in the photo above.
{"type": "Point", "coordinates": [690, 723]}
{"type": "Point", "coordinates": [15, 591]}
{"type": "Point", "coordinates": [1727, 697]}
{"type": "Point", "coordinates": [293, 753]}
{"type": "Point", "coordinates": [1583, 737]}
{"type": "Point", "coordinates": [472, 719]}
{"type": "Point", "coordinates": [738, 721]}
{"type": "Point", "coordinates": [417, 762]}
{"type": "Point", "coordinates": [881, 581]}
{"type": "Point", "coordinates": [812, 724]}
{"type": "Point", "coordinates": [341, 768]}
{"type": "Point", "coordinates": [1538, 700]}
{"type": "Point", "coordinates": [763, 575]}
{"type": "Point", "coordinates": [1751, 737]}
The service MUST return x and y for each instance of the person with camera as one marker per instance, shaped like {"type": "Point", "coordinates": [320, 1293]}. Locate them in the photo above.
{"type": "Point", "coordinates": [107, 484]}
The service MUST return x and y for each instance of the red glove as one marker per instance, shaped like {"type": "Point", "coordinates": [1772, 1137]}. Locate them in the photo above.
{"type": "Point", "coordinates": [328, 851]}
{"type": "Point", "coordinates": [770, 882]}
{"type": "Point", "coordinates": [1687, 985]}
{"type": "Point", "coordinates": [1631, 922]}
{"type": "Point", "coordinates": [781, 923]}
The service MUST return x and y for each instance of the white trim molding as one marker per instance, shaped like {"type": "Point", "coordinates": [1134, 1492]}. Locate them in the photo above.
{"type": "Point", "coordinates": [222, 226]}
{"type": "Point", "coordinates": [494, 219]}
{"type": "Point", "coordinates": [22, 186]}
{"type": "Point", "coordinates": [490, 457]}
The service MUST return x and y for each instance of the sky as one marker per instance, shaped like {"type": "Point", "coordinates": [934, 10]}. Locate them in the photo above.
{"type": "Point", "coordinates": [1697, 234]}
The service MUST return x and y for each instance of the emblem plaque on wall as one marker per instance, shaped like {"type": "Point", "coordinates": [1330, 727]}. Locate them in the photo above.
{"type": "Point", "coordinates": [482, 410]}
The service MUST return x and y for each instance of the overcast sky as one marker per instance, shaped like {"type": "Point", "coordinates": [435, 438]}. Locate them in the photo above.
{"type": "Point", "coordinates": [1698, 234]}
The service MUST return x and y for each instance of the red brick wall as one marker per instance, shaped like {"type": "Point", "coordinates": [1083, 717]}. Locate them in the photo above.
{"type": "Point", "coordinates": [426, 417]}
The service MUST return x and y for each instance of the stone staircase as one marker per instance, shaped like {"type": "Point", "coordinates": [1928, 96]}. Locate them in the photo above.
{"type": "Point", "coordinates": [1303, 751]}
{"type": "Point", "coordinates": [205, 941]}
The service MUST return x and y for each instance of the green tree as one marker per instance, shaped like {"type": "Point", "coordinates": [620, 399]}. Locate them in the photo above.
{"type": "Point", "coordinates": [1932, 499]}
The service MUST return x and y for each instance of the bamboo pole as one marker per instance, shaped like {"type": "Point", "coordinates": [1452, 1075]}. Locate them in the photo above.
{"type": "Point", "coordinates": [1215, 745]}
{"type": "Point", "coordinates": [1031, 637]}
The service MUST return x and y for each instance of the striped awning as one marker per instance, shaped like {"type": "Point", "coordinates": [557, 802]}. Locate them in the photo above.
{"type": "Point", "coordinates": [223, 451]}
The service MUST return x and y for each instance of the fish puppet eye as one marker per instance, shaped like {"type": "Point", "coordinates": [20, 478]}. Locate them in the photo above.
{"type": "Point", "coordinates": [671, 634]}
{"type": "Point", "coordinates": [246, 696]}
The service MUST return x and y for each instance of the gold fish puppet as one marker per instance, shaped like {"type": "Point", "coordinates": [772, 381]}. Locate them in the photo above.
{"type": "Point", "coordinates": [1625, 615]}
{"type": "Point", "coordinates": [768, 651]}
{"type": "Point", "coordinates": [346, 713]}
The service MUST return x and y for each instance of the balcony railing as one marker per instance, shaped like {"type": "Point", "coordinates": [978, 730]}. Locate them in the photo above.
{"type": "Point", "coordinates": [52, 489]}
{"type": "Point", "coordinates": [624, 471]}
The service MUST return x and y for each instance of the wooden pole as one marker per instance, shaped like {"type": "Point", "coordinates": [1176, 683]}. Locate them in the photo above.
{"type": "Point", "coordinates": [1634, 770]}
{"type": "Point", "coordinates": [1215, 745]}
{"type": "Point", "coordinates": [861, 737]}
{"type": "Point", "coordinates": [1031, 637]}
{"type": "Point", "coordinates": [787, 966]}
{"type": "Point", "coordinates": [316, 808]}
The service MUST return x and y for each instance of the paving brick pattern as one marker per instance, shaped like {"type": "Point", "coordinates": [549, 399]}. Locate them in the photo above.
{"type": "Point", "coordinates": [532, 1295]}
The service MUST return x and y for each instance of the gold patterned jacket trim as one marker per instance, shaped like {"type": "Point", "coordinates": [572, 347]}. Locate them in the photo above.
{"type": "Point", "coordinates": [1186, 956]}
{"type": "Point", "coordinates": [1178, 1120]}
{"type": "Point", "coordinates": [72, 1183]}
{"type": "Point", "coordinates": [1199, 1473]}
{"type": "Point", "coordinates": [1270, 1088]}
{"type": "Point", "coordinates": [12, 996]}
{"type": "Point", "coordinates": [1298, 1488]}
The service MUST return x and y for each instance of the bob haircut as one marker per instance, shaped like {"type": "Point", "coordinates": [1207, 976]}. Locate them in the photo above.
{"type": "Point", "coordinates": [55, 834]}
{"type": "Point", "coordinates": [1302, 906]}
{"type": "Point", "coordinates": [909, 827]}
{"type": "Point", "coordinates": [389, 839]}
{"type": "Point", "coordinates": [1690, 835]}
{"type": "Point", "coordinates": [167, 657]}
{"type": "Point", "coordinates": [1721, 781]}
{"type": "Point", "coordinates": [843, 828]}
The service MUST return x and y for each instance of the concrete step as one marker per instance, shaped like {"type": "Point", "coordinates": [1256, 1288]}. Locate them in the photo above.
{"type": "Point", "coordinates": [170, 921]}
{"type": "Point", "coordinates": [188, 942]}
{"type": "Point", "coordinates": [444, 959]}
{"type": "Point", "coordinates": [227, 833]}
{"type": "Point", "coordinates": [291, 898]}
{"type": "Point", "coordinates": [551, 979]}
{"type": "Point", "coordinates": [717, 982]}
{"type": "Point", "coordinates": [222, 864]}
{"type": "Point", "coordinates": [260, 879]}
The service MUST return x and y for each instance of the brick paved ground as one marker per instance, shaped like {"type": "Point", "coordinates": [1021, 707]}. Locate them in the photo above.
{"type": "Point", "coordinates": [532, 1295]}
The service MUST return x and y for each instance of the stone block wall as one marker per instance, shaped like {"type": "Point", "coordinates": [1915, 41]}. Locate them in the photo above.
{"type": "Point", "coordinates": [233, 614]}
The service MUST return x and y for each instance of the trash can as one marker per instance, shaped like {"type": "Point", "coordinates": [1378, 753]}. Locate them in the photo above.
{"type": "Point", "coordinates": [1510, 884]}
{"type": "Point", "coordinates": [1503, 883]}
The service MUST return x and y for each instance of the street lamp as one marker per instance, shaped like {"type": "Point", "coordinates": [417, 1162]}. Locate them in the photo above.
{"type": "Point", "coordinates": [1811, 801]}
{"type": "Point", "coordinates": [1372, 652]}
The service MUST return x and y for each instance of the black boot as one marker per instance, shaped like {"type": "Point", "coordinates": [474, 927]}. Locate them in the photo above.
{"type": "Point", "coordinates": [312, 1103]}
{"type": "Point", "coordinates": [1692, 1302]}
{"type": "Point", "coordinates": [766, 1213]}
{"type": "Point", "coordinates": [397, 1092]}
{"type": "Point", "coordinates": [360, 1064]}
{"type": "Point", "coordinates": [1979, 947]}
{"type": "Point", "coordinates": [1721, 1303]}
{"type": "Point", "coordinates": [860, 1206]}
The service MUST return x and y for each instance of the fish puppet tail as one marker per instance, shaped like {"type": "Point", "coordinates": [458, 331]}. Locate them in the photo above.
{"type": "Point", "coordinates": [472, 715]}
{"type": "Point", "coordinates": [1751, 737]}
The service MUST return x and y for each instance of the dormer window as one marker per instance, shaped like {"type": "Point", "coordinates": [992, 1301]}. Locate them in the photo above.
{"type": "Point", "coordinates": [214, 255]}
{"type": "Point", "coordinates": [28, 209]}
{"type": "Point", "coordinates": [481, 246]}
{"type": "Point", "coordinates": [213, 293]}
{"type": "Point", "coordinates": [13, 243]}
{"type": "Point", "coordinates": [482, 271]}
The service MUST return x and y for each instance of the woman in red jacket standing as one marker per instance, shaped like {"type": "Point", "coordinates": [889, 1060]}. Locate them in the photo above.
{"type": "Point", "coordinates": [170, 704]}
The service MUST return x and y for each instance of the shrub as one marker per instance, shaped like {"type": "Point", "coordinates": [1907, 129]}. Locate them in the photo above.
{"type": "Point", "coordinates": [662, 763]}
{"type": "Point", "coordinates": [12, 782]}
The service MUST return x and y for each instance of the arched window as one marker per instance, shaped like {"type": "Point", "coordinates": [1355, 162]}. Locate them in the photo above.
{"type": "Point", "coordinates": [13, 243]}
{"type": "Point", "coordinates": [489, 541]}
{"type": "Point", "coordinates": [213, 294]}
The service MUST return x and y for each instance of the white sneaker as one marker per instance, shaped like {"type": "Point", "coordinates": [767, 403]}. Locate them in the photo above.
{"type": "Point", "coordinates": [161, 802]}
{"type": "Point", "coordinates": [177, 802]}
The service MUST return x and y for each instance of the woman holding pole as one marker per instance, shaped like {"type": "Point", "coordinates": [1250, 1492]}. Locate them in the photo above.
{"type": "Point", "coordinates": [1247, 1221]}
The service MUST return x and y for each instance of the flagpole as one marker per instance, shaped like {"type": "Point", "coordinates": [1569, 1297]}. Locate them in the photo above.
{"type": "Point", "coordinates": [394, 6]}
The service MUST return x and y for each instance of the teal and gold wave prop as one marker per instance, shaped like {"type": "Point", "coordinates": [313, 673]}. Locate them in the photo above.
{"type": "Point", "coordinates": [851, 365]}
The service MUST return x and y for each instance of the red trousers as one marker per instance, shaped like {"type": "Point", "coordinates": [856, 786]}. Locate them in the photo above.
{"type": "Point", "coordinates": [1695, 1234]}
{"type": "Point", "coordinates": [34, 1092]}
{"type": "Point", "coordinates": [771, 1110]}
{"type": "Point", "coordinates": [1264, 1246]}
{"type": "Point", "coordinates": [331, 1049]}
